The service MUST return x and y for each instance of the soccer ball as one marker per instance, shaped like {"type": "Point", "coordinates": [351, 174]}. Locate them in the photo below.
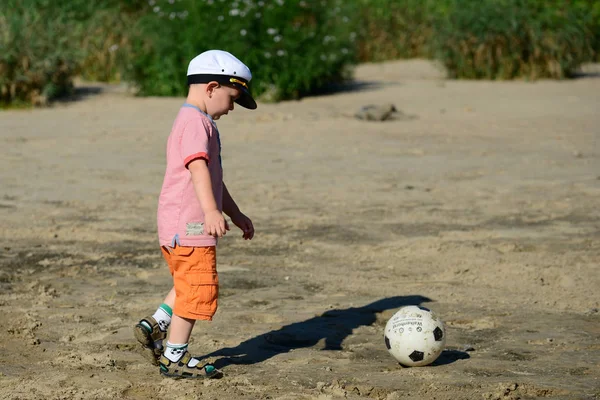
{"type": "Point", "coordinates": [415, 336]}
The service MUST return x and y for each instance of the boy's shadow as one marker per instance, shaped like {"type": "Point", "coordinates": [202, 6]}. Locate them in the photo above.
{"type": "Point", "coordinates": [333, 326]}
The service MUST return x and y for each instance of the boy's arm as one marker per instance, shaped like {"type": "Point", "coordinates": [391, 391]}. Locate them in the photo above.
{"type": "Point", "coordinates": [237, 217]}
{"type": "Point", "coordinates": [229, 206]}
{"type": "Point", "coordinates": [214, 223]}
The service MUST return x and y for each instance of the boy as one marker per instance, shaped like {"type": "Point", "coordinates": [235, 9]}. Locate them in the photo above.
{"type": "Point", "coordinates": [190, 219]}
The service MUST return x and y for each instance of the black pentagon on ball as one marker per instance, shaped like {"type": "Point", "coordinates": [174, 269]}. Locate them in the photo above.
{"type": "Point", "coordinates": [387, 343]}
{"type": "Point", "coordinates": [438, 334]}
{"type": "Point", "coordinates": [416, 356]}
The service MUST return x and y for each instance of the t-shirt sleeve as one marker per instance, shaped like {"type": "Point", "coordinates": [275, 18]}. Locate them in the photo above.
{"type": "Point", "coordinates": [194, 142]}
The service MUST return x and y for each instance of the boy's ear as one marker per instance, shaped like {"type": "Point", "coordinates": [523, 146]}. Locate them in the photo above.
{"type": "Point", "coordinates": [211, 86]}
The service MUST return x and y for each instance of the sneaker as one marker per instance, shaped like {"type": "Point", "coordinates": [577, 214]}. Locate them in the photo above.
{"type": "Point", "coordinates": [181, 369]}
{"type": "Point", "coordinates": [147, 338]}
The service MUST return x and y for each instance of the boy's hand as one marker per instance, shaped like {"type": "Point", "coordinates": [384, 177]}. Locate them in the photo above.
{"type": "Point", "coordinates": [215, 224]}
{"type": "Point", "coordinates": [244, 223]}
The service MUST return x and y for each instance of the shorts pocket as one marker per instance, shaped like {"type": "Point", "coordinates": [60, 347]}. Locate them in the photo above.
{"type": "Point", "coordinates": [181, 251]}
{"type": "Point", "coordinates": [203, 292]}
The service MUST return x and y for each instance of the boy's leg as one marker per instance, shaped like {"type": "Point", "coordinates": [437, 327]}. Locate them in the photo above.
{"type": "Point", "coordinates": [179, 336]}
{"type": "Point", "coordinates": [195, 277]}
{"type": "Point", "coordinates": [181, 329]}
{"type": "Point", "coordinates": [170, 299]}
{"type": "Point", "coordinates": [151, 331]}
{"type": "Point", "coordinates": [176, 360]}
{"type": "Point", "coordinates": [164, 312]}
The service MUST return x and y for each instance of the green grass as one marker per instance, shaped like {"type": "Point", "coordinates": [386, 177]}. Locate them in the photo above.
{"type": "Point", "coordinates": [37, 60]}
{"type": "Point", "coordinates": [507, 39]}
{"type": "Point", "coordinates": [293, 47]}
{"type": "Point", "coordinates": [45, 43]}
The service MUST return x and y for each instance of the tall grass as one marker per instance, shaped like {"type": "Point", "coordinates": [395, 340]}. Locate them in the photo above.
{"type": "Point", "coordinates": [392, 29]}
{"type": "Point", "coordinates": [293, 47]}
{"type": "Point", "coordinates": [106, 49]}
{"type": "Point", "coordinates": [37, 60]}
{"type": "Point", "coordinates": [45, 43]}
{"type": "Point", "coordinates": [484, 39]}
{"type": "Point", "coordinates": [506, 39]}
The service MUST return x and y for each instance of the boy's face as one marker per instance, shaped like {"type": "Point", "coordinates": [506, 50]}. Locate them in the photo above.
{"type": "Point", "coordinates": [222, 101]}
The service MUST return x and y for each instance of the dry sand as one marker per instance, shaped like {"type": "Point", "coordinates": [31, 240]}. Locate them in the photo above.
{"type": "Point", "coordinates": [484, 208]}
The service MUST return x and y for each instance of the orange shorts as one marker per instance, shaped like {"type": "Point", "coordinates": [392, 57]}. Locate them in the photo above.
{"type": "Point", "coordinates": [194, 271]}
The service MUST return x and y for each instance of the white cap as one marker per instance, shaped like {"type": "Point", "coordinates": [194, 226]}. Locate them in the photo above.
{"type": "Point", "coordinates": [225, 68]}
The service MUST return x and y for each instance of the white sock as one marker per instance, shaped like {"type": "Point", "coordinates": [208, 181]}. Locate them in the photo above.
{"type": "Point", "coordinates": [163, 317]}
{"type": "Point", "coordinates": [193, 362]}
{"type": "Point", "coordinates": [174, 352]}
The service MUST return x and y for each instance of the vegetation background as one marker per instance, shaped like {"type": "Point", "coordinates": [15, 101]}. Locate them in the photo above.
{"type": "Point", "coordinates": [293, 47]}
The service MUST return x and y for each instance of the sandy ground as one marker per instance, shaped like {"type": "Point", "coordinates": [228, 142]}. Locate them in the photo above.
{"type": "Point", "coordinates": [484, 208]}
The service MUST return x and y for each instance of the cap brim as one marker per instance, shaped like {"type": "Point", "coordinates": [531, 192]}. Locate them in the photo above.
{"type": "Point", "coordinates": [245, 100]}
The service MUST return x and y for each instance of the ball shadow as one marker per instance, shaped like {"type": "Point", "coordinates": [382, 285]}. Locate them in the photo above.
{"type": "Point", "coordinates": [450, 356]}
{"type": "Point", "coordinates": [333, 326]}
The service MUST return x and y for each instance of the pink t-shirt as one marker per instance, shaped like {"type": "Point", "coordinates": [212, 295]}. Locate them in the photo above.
{"type": "Point", "coordinates": [180, 218]}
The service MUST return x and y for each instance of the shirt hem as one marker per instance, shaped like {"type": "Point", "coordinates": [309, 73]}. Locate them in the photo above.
{"type": "Point", "coordinates": [189, 242]}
